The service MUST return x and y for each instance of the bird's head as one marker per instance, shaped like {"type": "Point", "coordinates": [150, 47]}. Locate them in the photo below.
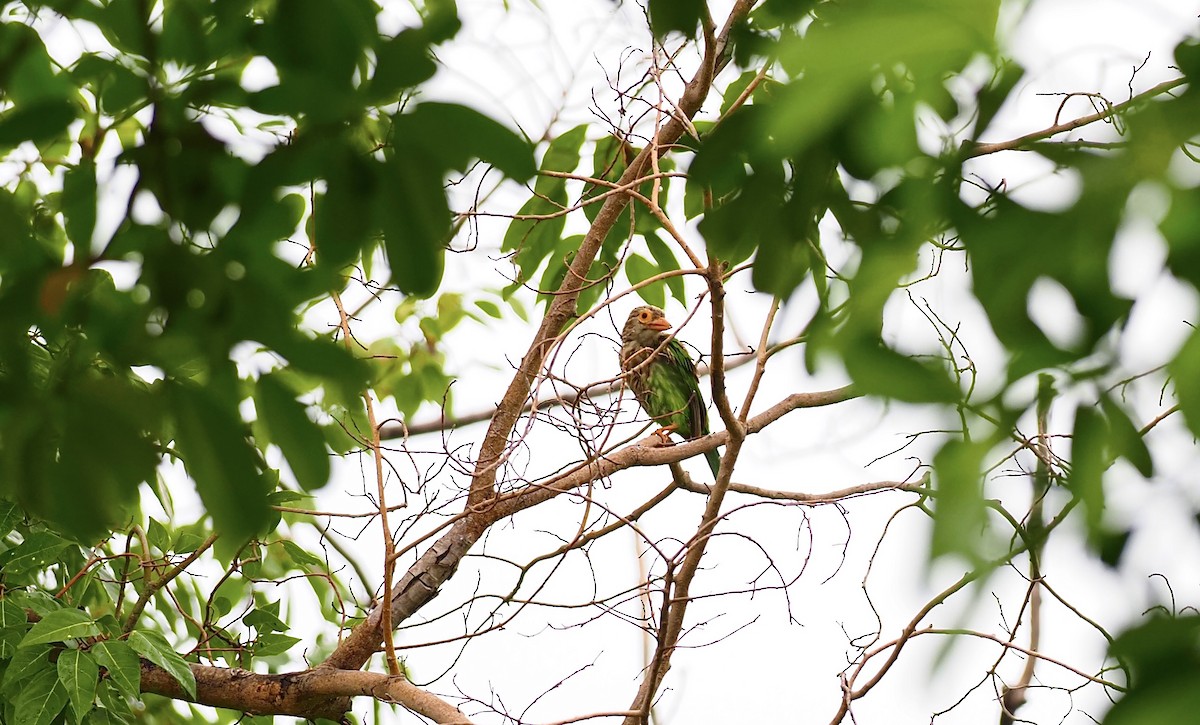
{"type": "Point", "coordinates": [645, 326]}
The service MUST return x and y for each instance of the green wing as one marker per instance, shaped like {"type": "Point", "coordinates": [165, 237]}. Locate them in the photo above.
{"type": "Point", "coordinates": [669, 392]}
{"type": "Point", "coordinates": [674, 392]}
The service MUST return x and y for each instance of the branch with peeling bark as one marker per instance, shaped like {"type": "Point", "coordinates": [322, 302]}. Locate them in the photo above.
{"type": "Point", "coordinates": [312, 694]}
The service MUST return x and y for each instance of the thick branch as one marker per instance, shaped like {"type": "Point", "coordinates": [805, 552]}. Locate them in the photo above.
{"type": "Point", "coordinates": [311, 694]}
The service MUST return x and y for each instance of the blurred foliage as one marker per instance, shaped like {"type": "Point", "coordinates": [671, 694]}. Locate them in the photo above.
{"type": "Point", "coordinates": [75, 344]}
{"type": "Point", "coordinates": [1164, 663]}
{"type": "Point", "coordinates": [119, 341]}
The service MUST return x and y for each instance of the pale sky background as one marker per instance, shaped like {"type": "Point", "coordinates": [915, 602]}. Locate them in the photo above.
{"type": "Point", "coordinates": [778, 658]}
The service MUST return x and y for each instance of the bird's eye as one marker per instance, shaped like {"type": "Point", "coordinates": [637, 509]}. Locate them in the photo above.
{"type": "Point", "coordinates": [645, 316]}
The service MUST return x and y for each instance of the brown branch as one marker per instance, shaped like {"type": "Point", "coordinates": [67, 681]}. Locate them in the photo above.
{"type": "Point", "coordinates": [155, 586]}
{"type": "Point", "coordinates": [389, 544]}
{"type": "Point", "coordinates": [982, 149]}
{"type": "Point", "coordinates": [1033, 654]}
{"type": "Point", "coordinates": [850, 693]}
{"type": "Point", "coordinates": [650, 452]}
{"type": "Point", "coordinates": [1014, 697]}
{"type": "Point", "coordinates": [677, 582]}
{"type": "Point", "coordinates": [319, 693]}
{"type": "Point", "coordinates": [814, 499]}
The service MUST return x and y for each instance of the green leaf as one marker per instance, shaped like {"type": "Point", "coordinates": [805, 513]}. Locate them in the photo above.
{"type": "Point", "coordinates": [415, 220]}
{"type": "Point", "coordinates": [992, 96]}
{"type": "Point", "coordinates": [29, 75]}
{"type": "Point", "coordinates": [10, 516]}
{"type": "Point", "coordinates": [491, 309]}
{"type": "Point", "coordinates": [1165, 666]}
{"type": "Point", "coordinates": [664, 257]}
{"type": "Point", "coordinates": [534, 239]}
{"type": "Point", "coordinates": [928, 39]}
{"type": "Point", "coordinates": [316, 47]}
{"type": "Point", "coordinates": [1181, 228]}
{"type": "Point", "coordinates": [290, 428]}
{"type": "Point", "coordinates": [186, 542]}
{"type": "Point", "coordinates": [638, 269]}
{"type": "Point", "coordinates": [780, 266]}
{"type": "Point", "coordinates": [41, 699]}
{"type": "Point", "coordinates": [274, 644]}
{"type": "Point", "coordinates": [349, 428]}
{"type": "Point", "coordinates": [38, 601]}
{"type": "Point", "coordinates": [210, 436]}
{"type": "Point", "coordinates": [154, 647]}
{"type": "Point", "coordinates": [158, 536]}
{"type": "Point", "coordinates": [879, 370]}
{"type": "Point", "coordinates": [60, 626]}
{"type": "Point", "coordinates": [10, 637]}
{"type": "Point", "coordinates": [95, 484]}
{"type": "Point", "coordinates": [79, 673]}
{"type": "Point", "coordinates": [119, 90]}
{"type": "Point", "coordinates": [323, 358]}
{"type": "Point", "coordinates": [184, 34]}
{"type": "Point", "coordinates": [79, 206]}
{"type": "Point", "coordinates": [122, 664]}
{"type": "Point", "coordinates": [680, 15]}
{"type": "Point", "coordinates": [1088, 464]}
{"type": "Point", "coordinates": [959, 513]}
{"type": "Point", "coordinates": [300, 555]}
{"type": "Point", "coordinates": [37, 551]}
{"type": "Point", "coordinates": [345, 214]}
{"type": "Point", "coordinates": [563, 152]}
{"type": "Point", "coordinates": [26, 663]}
{"type": "Point", "coordinates": [35, 122]}
{"type": "Point", "coordinates": [457, 135]}
{"type": "Point", "coordinates": [103, 717]}
{"type": "Point", "coordinates": [1187, 383]}
{"type": "Point", "coordinates": [1125, 439]}
{"type": "Point", "coordinates": [402, 62]}
{"type": "Point", "coordinates": [11, 614]}
{"type": "Point", "coordinates": [283, 497]}
{"type": "Point", "coordinates": [265, 619]}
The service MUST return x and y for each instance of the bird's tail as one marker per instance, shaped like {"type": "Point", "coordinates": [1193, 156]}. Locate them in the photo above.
{"type": "Point", "coordinates": [714, 461]}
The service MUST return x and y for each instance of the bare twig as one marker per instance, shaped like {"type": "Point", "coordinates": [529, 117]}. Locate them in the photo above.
{"type": "Point", "coordinates": [982, 149]}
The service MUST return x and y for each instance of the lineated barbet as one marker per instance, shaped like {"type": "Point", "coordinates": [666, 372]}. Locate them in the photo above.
{"type": "Point", "coordinates": [663, 377]}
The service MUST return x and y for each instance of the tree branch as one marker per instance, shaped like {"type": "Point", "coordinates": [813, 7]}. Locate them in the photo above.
{"type": "Point", "coordinates": [319, 693]}
{"type": "Point", "coordinates": [981, 149]}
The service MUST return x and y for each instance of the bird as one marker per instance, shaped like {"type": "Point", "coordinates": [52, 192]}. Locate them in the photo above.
{"type": "Point", "coordinates": [663, 378]}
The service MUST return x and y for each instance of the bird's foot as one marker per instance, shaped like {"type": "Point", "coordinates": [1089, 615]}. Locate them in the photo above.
{"type": "Point", "coordinates": [664, 435]}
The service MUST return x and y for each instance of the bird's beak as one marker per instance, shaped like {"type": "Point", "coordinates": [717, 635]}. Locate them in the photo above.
{"type": "Point", "coordinates": [659, 324]}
